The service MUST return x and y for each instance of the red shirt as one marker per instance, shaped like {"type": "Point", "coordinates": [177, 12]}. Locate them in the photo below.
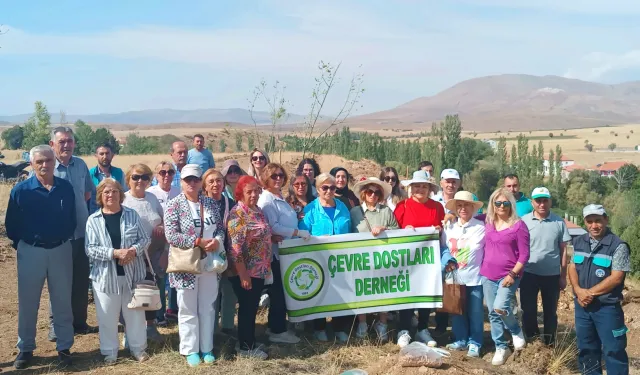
{"type": "Point", "coordinates": [416, 214]}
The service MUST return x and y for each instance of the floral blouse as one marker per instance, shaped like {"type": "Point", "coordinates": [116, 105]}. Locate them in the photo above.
{"type": "Point", "coordinates": [250, 236]}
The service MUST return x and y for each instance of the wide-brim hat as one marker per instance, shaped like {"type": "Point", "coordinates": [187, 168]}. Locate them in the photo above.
{"type": "Point", "coordinates": [463, 196]}
{"type": "Point", "coordinates": [386, 188]}
{"type": "Point", "coordinates": [419, 177]}
{"type": "Point", "coordinates": [231, 163]}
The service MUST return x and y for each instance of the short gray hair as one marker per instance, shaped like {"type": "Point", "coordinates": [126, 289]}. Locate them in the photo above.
{"type": "Point", "coordinates": [60, 129]}
{"type": "Point", "coordinates": [324, 177]}
{"type": "Point", "coordinates": [40, 149]}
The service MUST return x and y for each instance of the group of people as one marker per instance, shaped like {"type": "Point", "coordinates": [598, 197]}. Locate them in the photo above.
{"type": "Point", "coordinates": [70, 224]}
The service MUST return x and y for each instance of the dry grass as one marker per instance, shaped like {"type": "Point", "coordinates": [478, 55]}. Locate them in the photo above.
{"type": "Point", "coordinates": [565, 352]}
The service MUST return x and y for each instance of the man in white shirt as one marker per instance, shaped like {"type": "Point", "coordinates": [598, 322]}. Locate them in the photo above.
{"type": "Point", "coordinates": [450, 184]}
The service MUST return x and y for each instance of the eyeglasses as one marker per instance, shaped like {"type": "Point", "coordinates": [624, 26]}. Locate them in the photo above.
{"type": "Point", "coordinates": [300, 184]}
{"type": "Point", "coordinates": [276, 176]}
{"type": "Point", "coordinates": [233, 170]}
{"type": "Point", "coordinates": [504, 204]}
{"type": "Point", "coordinates": [256, 158]}
{"type": "Point", "coordinates": [170, 172]}
{"type": "Point", "coordinates": [110, 192]}
{"type": "Point", "coordinates": [191, 179]}
{"type": "Point", "coordinates": [138, 177]}
{"type": "Point", "coordinates": [373, 191]}
{"type": "Point", "coordinates": [390, 179]}
{"type": "Point", "coordinates": [328, 187]}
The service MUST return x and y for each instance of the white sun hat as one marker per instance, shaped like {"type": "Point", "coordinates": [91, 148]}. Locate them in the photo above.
{"type": "Point", "coordinates": [386, 188]}
{"type": "Point", "coordinates": [463, 196]}
{"type": "Point", "coordinates": [419, 177]}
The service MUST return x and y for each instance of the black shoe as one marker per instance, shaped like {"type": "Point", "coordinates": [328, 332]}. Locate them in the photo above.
{"type": "Point", "coordinates": [23, 360]}
{"type": "Point", "coordinates": [85, 330]}
{"type": "Point", "coordinates": [64, 356]}
{"type": "Point", "coordinates": [52, 335]}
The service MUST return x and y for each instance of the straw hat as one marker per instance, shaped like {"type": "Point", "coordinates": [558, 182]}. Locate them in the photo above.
{"type": "Point", "coordinates": [420, 177]}
{"type": "Point", "coordinates": [386, 188]}
{"type": "Point", "coordinates": [463, 196]}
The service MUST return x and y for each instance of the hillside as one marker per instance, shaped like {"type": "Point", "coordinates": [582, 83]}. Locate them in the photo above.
{"type": "Point", "coordinates": [519, 102]}
{"type": "Point", "coordinates": [166, 116]}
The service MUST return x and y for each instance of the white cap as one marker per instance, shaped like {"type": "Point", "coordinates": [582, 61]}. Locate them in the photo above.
{"type": "Point", "coordinates": [419, 177]}
{"type": "Point", "coordinates": [191, 170]}
{"type": "Point", "coordinates": [593, 209]}
{"type": "Point", "coordinates": [449, 173]}
{"type": "Point", "coordinates": [540, 192]}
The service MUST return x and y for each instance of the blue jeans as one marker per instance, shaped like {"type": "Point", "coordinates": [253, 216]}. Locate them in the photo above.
{"type": "Point", "coordinates": [468, 327]}
{"type": "Point", "coordinates": [498, 297]}
{"type": "Point", "coordinates": [600, 329]}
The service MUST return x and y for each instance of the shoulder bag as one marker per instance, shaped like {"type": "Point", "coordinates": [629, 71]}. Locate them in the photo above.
{"type": "Point", "coordinates": [187, 260]}
{"type": "Point", "coordinates": [146, 294]}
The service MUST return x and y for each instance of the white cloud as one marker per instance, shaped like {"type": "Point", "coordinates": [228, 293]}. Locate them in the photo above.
{"type": "Point", "coordinates": [595, 65]}
{"type": "Point", "coordinates": [598, 7]}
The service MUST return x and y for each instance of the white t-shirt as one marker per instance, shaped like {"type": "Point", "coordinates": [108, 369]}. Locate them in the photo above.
{"type": "Point", "coordinates": [148, 208]}
{"type": "Point", "coordinates": [209, 221]}
{"type": "Point", "coordinates": [282, 218]}
{"type": "Point", "coordinates": [466, 244]}
{"type": "Point", "coordinates": [164, 196]}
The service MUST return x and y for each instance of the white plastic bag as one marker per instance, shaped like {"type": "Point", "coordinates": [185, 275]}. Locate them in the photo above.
{"type": "Point", "coordinates": [216, 261]}
{"type": "Point", "coordinates": [418, 354]}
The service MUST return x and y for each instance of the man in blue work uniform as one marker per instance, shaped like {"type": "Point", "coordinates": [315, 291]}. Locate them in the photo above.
{"type": "Point", "coordinates": [600, 264]}
{"type": "Point", "coordinates": [40, 221]}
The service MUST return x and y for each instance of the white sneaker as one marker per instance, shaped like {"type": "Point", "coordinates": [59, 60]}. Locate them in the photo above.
{"type": "Point", "coordinates": [361, 331]}
{"type": "Point", "coordinates": [500, 357]}
{"type": "Point", "coordinates": [285, 337]}
{"type": "Point", "coordinates": [381, 330]}
{"type": "Point", "coordinates": [519, 341]}
{"type": "Point", "coordinates": [425, 337]}
{"type": "Point", "coordinates": [141, 356]}
{"type": "Point", "coordinates": [403, 338]}
{"type": "Point", "coordinates": [264, 301]}
{"type": "Point", "coordinates": [253, 353]}
{"type": "Point", "coordinates": [342, 337]}
{"type": "Point", "coordinates": [321, 336]}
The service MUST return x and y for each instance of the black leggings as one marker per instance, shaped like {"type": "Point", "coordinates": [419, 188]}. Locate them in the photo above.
{"type": "Point", "coordinates": [442, 319]}
{"type": "Point", "coordinates": [248, 301]}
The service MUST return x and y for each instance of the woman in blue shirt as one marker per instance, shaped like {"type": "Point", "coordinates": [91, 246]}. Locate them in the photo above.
{"type": "Point", "coordinates": [327, 216]}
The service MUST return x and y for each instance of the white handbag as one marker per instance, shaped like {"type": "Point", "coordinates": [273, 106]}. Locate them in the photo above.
{"type": "Point", "coordinates": [146, 295]}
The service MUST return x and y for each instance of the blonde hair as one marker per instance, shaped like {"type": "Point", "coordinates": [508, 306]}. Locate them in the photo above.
{"type": "Point", "coordinates": [324, 177]}
{"type": "Point", "coordinates": [103, 185]}
{"type": "Point", "coordinates": [251, 171]}
{"type": "Point", "coordinates": [139, 167]}
{"type": "Point", "coordinates": [491, 209]}
{"type": "Point", "coordinates": [162, 164]}
{"type": "Point", "coordinates": [212, 172]}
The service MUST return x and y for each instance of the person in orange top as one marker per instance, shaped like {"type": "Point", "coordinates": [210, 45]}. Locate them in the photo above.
{"type": "Point", "coordinates": [415, 212]}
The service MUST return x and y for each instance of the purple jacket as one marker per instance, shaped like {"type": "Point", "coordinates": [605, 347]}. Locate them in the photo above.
{"type": "Point", "coordinates": [503, 249]}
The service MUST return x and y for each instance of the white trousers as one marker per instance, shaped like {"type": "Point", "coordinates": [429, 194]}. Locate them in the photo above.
{"type": "Point", "coordinates": [196, 314]}
{"type": "Point", "coordinates": [108, 308]}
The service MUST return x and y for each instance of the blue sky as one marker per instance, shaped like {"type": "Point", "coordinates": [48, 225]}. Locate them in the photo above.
{"type": "Point", "coordinates": [99, 57]}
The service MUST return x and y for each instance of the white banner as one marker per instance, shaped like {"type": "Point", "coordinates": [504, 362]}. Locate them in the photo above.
{"type": "Point", "coordinates": [357, 273]}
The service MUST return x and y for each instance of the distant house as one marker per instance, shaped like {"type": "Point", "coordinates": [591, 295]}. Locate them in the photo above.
{"type": "Point", "coordinates": [565, 161]}
{"type": "Point", "coordinates": [566, 171]}
{"type": "Point", "coordinates": [637, 148]}
{"type": "Point", "coordinates": [491, 142]}
{"type": "Point", "coordinates": [608, 168]}
{"type": "Point", "coordinates": [574, 229]}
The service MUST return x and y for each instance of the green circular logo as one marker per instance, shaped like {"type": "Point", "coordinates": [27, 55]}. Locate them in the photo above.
{"type": "Point", "coordinates": [304, 279]}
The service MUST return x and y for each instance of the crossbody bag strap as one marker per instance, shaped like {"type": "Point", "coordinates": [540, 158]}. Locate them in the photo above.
{"type": "Point", "coordinates": [364, 215]}
{"type": "Point", "coordinates": [201, 219]}
{"type": "Point", "coordinates": [226, 212]}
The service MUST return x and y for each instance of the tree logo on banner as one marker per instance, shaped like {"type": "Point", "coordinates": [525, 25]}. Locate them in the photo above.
{"type": "Point", "coordinates": [304, 279]}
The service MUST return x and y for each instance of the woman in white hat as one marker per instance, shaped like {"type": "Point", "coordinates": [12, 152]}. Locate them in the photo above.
{"type": "Point", "coordinates": [415, 212]}
{"type": "Point", "coordinates": [465, 239]}
{"type": "Point", "coordinates": [372, 216]}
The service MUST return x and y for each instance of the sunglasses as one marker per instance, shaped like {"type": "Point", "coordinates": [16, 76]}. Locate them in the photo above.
{"type": "Point", "coordinates": [502, 203]}
{"type": "Point", "coordinates": [300, 184]}
{"type": "Point", "coordinates": [373, 191]}
{"type": "Point", "coordinates": [233, 171]}
{"type": "Point", "coordinates": [390, 179]}
{"type": "Point", "coordinates": [276, 176]}
{"type": "Point", "coordinates": [170, 172]}
{"type": "Point", "coordinates": [138, 177]}
{"type": "Point", "coordinates": [191, 179]}
{"type": "Point", "coordinates": [256, 158]}
{"type": "Point", "coordinates": [328, 187]}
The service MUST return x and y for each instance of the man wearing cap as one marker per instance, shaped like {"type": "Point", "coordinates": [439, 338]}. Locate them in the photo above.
{"type": "Point", "coordinates": [597, 273]}
{"type": "Point", "coordinates": [546, 271]}
{"type": "Point", "coordinates": [523, 204]}
{"type": "Point", "coordinates": [450, 184]}
{"type": "Point", "coordinates": [178, 153]}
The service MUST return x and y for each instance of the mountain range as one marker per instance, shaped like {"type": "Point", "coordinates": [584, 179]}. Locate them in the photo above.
{"type": "Point", "coordinates": [508, 101]}
{"type": "Point", "coordinates": [165, 116]}
{"type": "Point", "coordinates": [520, 102]}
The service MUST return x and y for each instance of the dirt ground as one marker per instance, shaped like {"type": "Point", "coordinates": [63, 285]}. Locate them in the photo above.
{"type": "Point", "coordinates": [308, 357]}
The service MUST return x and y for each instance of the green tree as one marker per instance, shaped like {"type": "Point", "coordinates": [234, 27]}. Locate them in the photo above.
{"type": "Point", "coordinates": [540, 159]}
{"type": "Point", "coordinates": [238, 142]}
{"type": "Point", "coordinates": [552, 168]}
{"type": "Point", "coordinates": [452, 129]}
{"type": "Point", "coordinates": [84, 138]}
{"type": "Point", "coordinates": [250, 143]}
{"type": "Point", "coordinates": [632, 237]}
{"type": "Point", "coordinates": [13, 137]}
{"type": "Point", "coordinates": [223, 145]}
{"type": "Point", "coordinates": [626, 176]}
{"type": "Point", "coordinates": [137, 145]}
{"type": "Point", "coordinates": [612, 146]}
{"type": "Point", "coordinates": [502, 156]}
{"type": "Point", "coordinates": [104, 135]}
{"type": "Point", "coordinates": [483, 180]}
{"type": "Point", "coordinates": [514, 159]}
{"type": "Point", "coordinates": [619, 205]}
{"type": "Point", "coordinates": [36, 129]}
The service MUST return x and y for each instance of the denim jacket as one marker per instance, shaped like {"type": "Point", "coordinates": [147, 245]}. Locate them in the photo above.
{"type": "Point", "coordinates": [318, 223]}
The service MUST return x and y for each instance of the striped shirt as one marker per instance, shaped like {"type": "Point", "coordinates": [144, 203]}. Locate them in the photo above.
{"type": "Point", "coordinates": [100, 250]}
